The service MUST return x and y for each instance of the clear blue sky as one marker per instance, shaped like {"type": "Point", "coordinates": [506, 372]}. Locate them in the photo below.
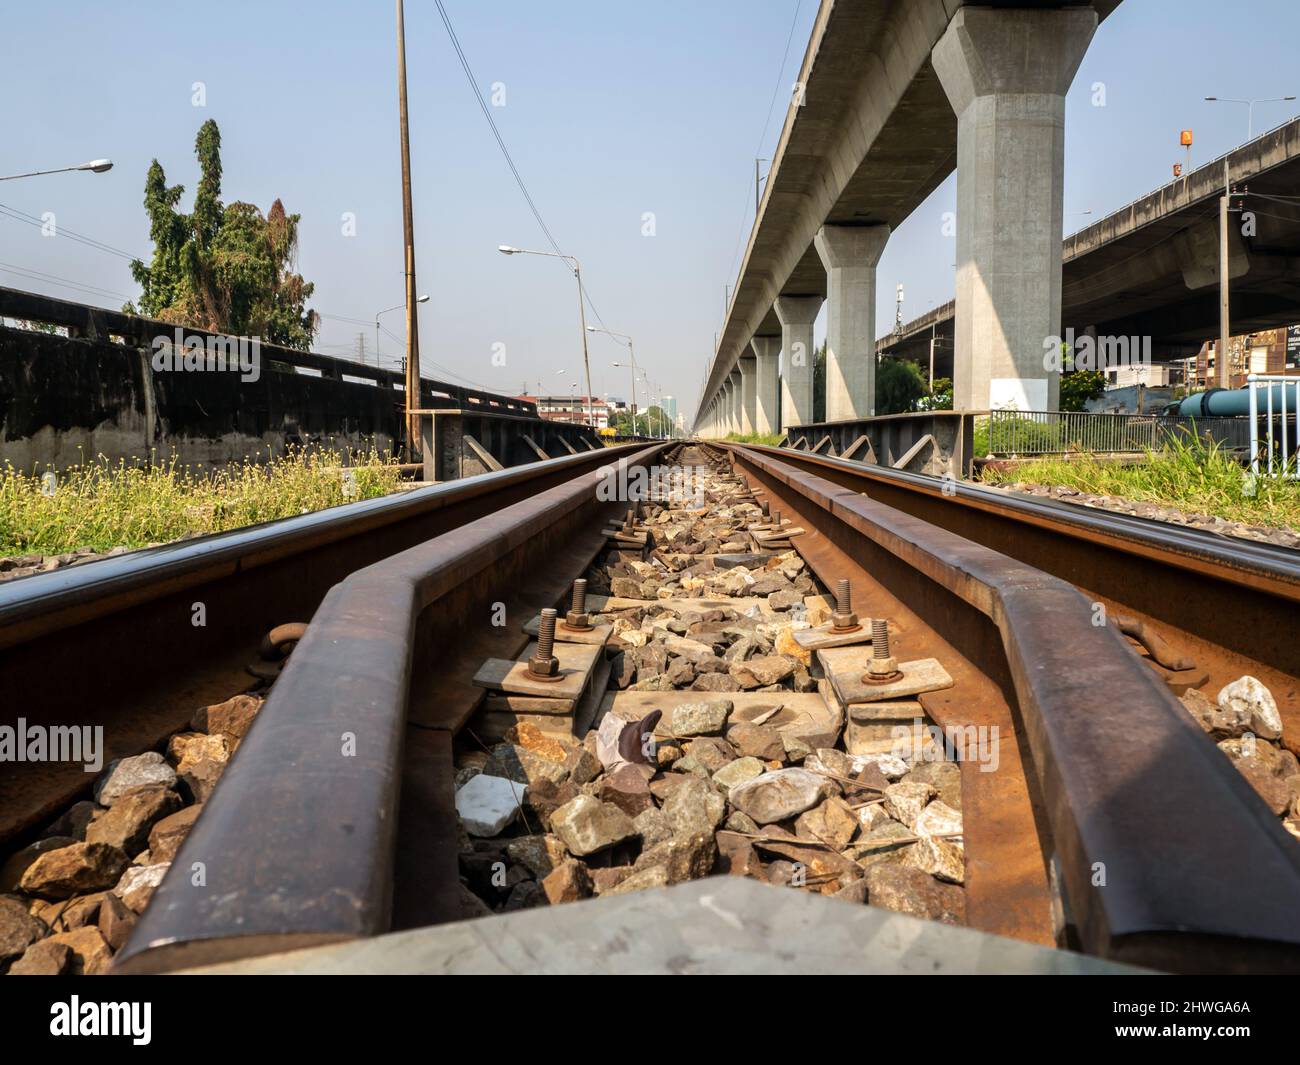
{"type": "Point", "coordinates": [612, 111]}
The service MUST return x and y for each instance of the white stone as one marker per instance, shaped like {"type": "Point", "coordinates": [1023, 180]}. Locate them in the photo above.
{"type": "Point", "coordinates": [1246, 695]}
{"type": "Point", "coordinates": [138, 884]}
{"type": "Point", "coordinates": [942, 858]}
{"type": "Point", "coordinates": [129, 774]}
{"type": "Point", "coordinates": [938, 819]}
{"type": "Point", "coordinates": [487, 804]}
{"type": "Point", "coordinates": [872, 815]}
{"type": "Point", "coordinates": [891, 767]}
{"type": "Point", "coordinates": [778, 795]}
{"type": "Point", "coordinates": [906, 800]}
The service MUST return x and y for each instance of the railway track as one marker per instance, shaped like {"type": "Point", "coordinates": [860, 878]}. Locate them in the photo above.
{"type": "Point", "coordinates": [1111, 823]}
{"type": "Point", "coordinates": [117, 644]}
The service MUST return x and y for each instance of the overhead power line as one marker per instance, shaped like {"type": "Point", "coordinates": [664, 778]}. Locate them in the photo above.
{"type": "Point", "coordinates": [62, 231]}
{"type": "Point", "coordinates": [496, 133]}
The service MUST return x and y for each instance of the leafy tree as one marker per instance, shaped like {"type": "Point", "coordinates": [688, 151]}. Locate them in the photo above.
{"type": "Point", "coordinates": [939, 397]}
{"type": "Point", "coordinates": [819, 383]}
{"type": "Point", "coordinates": [223, 268]}
{"type": "Point", "coordinates": [899, 386]}
{"type": "Point", "coordinates": [1079, 387]}
{"type": "Point", "coordinates": [646, 420]}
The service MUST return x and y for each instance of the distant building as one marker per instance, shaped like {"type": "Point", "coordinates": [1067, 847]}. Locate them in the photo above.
{"type": "Point", "coordinates": [571, 409]}
{"type": "Point", "coordinates": [1268, 351]}
{"type": "Point", "coordinates": [1152, 375]}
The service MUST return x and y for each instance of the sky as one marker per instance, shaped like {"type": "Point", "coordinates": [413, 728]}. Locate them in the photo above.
{"type": "Point", "coordinates": [634, 127]}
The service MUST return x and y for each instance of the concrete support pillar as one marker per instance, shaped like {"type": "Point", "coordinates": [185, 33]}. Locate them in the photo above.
{"type": "Point", "coordinates": [727, 424]}
{"type": "Point", "coordinates": [767, 384]}
{"type": "Point", "coordinates": [748, 381]}
{"type": "Point", "coordinates": [797, 314]}
{"type": "Point", "coordinates": [1006, 72]}
{"type": "Point", "coordinates": [850, 254]}
{"type": "Point", "coordinates": [734, 382]}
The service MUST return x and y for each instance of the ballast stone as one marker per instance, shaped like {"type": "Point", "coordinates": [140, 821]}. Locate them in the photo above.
{"type": "Point", "coordinates": [487, 804]}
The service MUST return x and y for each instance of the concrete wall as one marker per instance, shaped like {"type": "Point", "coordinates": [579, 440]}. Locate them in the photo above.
{"type": "Point", "coordinates": [65, 400]}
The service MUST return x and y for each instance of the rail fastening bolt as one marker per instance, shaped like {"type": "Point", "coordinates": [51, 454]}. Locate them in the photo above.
{"type": "Point", "coordinates": [544, 663]}
{"type": "Point", "coordinates": [844, 619]}
{"type": "Point", "coordinates": [882, 665]}
{"type": "Point", "coordinates": [576, 618]}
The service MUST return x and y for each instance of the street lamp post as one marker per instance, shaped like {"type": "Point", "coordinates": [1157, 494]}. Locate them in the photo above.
{"type": "Point", "coordinates": [620, 338]}
{"type": "Point", "coordinates": [1250, 108]}
{"type": "Point", "coordinates": [95, 166]}
{"type": "Point", "coordinates": [422, 299]}
{"type": "Point", "coordinates": [506, 249]}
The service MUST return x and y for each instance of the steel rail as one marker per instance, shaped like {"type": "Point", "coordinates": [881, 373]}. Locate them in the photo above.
{"type": "Point", "coordinates": [136, 643]}
{"type": "Point", "coordinates": [299, 841]}
{"type": "Point", "coordinates": [1169, 858]}
{"type": "Point", "coordinates": [1227, 603]}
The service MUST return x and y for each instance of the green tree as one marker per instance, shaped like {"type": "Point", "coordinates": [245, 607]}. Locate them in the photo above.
{"type": "Point", "coordinates": [819, 384]}
{"type": "Point", "coordinates": [224, 268]}
{"type": "Point", "coordinates": [939, 397]}
{"type": "Point", "coordinates": [651, 418]}
{"type": "Point", "coordinates": [899, 386]}
{"type": "Point", "coordinates": [1079, 387]}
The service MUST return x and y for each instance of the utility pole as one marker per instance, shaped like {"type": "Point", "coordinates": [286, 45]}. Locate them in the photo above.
{"type": "Point", "coordinates": [1221, 357]}
{"type": "Point", "coordinates": [408, 236]}
{"type": "Point", "coordinates": [361, 348]}
{"type": "Point", "coordinates": [934, 332]}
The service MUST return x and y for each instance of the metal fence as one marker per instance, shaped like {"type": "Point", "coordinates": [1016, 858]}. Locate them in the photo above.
{"type": "Point", "coordinates": [1012, 432]}
{"type": "Point", "coordinates": [1273, 404]}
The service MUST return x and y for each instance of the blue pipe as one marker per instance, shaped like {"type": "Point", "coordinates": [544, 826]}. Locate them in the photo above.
{"type": "Point", "coordinates": [1225, 403]}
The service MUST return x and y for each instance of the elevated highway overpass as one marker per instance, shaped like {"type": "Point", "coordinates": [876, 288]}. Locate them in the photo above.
{"type": "Point", "coordinates": [1151, 269]}
{"type": "Point", "coordinates": [892, 95]}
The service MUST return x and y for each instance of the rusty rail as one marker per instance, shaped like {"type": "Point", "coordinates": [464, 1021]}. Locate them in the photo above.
{"type": "Point", "coordinates": [299, 842]}
{"type": "Point", "coordinates": [115, 643]}
{"type": "Point", "coordinates": [1169, 858]}
{"type": "Point", "coordinates": [1228, 603]}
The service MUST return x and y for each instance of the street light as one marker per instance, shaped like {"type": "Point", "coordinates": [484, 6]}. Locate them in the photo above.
{"type": "Point", "coordinates": [95, 166]}
{"type": "Point", "coordinates": [400, 306]}
{"type": "Point", "coordinates": [632, 408]}
{"type": "Point", "coordinates": [1250, 108]}
{"type": "Point", "coordinates": [620, 338]}
{"type": "Point", "coordinates": [507, 249]}
{"type": "Point", "coordinates": [651, 393]}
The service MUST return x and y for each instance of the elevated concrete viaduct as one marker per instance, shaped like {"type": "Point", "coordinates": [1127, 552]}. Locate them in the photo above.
{"type": "Point", "coordinates": [891, 96]}
{"type": "Point", "coordinates": [1151, 269]}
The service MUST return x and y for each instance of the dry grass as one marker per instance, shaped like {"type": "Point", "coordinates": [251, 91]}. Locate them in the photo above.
{"type": "Point", "coordinates": [100, 505]}
{"type": "Point", "coordinates": [1189, 476]}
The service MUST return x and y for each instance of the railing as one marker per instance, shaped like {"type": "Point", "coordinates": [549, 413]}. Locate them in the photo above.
{"type": "Point", "coordinates": [1012, 432]}
{"type": "Point", "coordinates": [95, 323]}
{"type": "Point", "coordinates": [1273, 400]}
